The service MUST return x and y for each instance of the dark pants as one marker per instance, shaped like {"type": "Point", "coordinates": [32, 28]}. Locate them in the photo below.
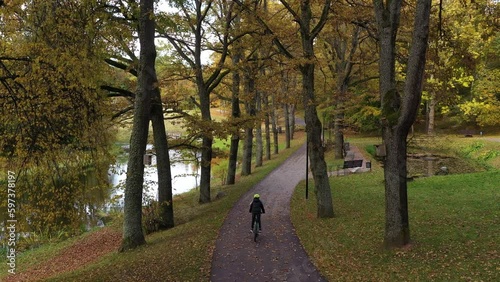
{"type": "Point", "coordinates": [256, 217]}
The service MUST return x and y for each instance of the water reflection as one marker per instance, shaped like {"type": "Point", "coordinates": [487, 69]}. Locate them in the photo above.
{"type": "Point", "coordinates": [185, 177]}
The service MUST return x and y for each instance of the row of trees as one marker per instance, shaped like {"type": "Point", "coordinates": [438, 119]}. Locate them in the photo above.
{"type": "Point", "coordinates": [70, 70]}
{"type": "Point", "coordinates": [241, 25]}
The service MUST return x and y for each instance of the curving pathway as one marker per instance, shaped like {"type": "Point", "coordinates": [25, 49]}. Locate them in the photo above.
{"type": "Point", "coordinates": [278, 254]}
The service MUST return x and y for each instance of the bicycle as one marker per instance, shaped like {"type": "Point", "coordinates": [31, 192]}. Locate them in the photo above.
{"type": "Point", "coordinates": [255, 230]}
{"type": "Point", "coordinates": [256, 208]}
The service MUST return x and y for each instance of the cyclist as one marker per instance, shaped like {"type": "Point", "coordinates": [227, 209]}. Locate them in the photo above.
{"type": "Point", "coordinates": [256, 208]}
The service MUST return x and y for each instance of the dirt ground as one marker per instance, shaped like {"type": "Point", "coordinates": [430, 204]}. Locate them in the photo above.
{"type": "Point", "coordinates": [278, 254]}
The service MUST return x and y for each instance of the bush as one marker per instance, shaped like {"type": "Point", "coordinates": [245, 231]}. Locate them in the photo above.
{"type": "Point", "coordinates": [151, 217]}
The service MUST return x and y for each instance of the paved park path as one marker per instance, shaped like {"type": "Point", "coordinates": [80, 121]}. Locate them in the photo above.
{"type": "Point", "coordinates": [278, 254]}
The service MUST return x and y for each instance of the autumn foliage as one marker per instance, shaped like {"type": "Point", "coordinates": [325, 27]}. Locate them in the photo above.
{"type": "Point", "coordinates": [52, 117]}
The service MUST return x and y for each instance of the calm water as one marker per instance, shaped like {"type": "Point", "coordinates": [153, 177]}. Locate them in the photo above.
{"type": "Point", "coordinates": [185, 177]}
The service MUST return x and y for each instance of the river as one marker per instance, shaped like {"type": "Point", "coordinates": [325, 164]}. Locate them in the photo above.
{"type": "Point", "coordinates": [185, 177]}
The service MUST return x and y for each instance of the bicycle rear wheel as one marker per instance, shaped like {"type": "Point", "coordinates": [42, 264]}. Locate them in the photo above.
{"type": "Point", "coordinates": [255, 231]}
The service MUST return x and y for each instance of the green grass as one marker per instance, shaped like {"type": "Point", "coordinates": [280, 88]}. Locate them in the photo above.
{"type": "Point", "coordinates": [183, 253]}
{"type": "Point", "coordinates": [219, 165]}
{"type": "Point", "coordinates": [454, 225]}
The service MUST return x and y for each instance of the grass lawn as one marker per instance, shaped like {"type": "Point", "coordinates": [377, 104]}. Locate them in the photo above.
{"type": "Point", "coordinates": [454, 225]}
{"type": "Point", "coordinates": [182, 253]}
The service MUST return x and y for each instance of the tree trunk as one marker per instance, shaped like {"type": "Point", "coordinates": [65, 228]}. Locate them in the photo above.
{"type": "Point", "coordinates": [341, 67]}
{"type": "Point", "coordinates": [399, 113]}
{"type": "Point", "coordinates": [287, 126]}
{"type": "Point", "coordinates": [397, 228]}
{"type": "Point", "coordinates": [205, 169]}
{"type": "Point", "coordinates": [246, 162]}
{"type": "Point", "coordinates": [206, 147]}
{"type": "Point", "coordinates": [259, 146]}
{"type": "Point", "coordinates": [316, 149]}
{"type": "Point", "coordinates": [267, 127]}
{"type": "Point", "coordinates": [338, 125]}
{"type": "Point", "coordinates": [259, 149]}
{"type": "Point", "coordinates": [233, 159]}
{"type": "Point", "coordinates": [165, 202]}
{"type": "Point", "coordinates": [235, 113]}
{"type": "Point", "coordinates": [133, 235]}
{"type": "Point", "coordinates": [274, 124]}
{"type": "Point", "coordinates": [292, 121]}
{"type": "Point", "coordinates": [313, 124]}
{"type": "Point", "coordinates": [206, 116]}
{"type": "Point", "coordinates": [265, 94]}
{"type": "Point", "coordinates": [431, 115]}
{"type": "Point", "coordinates": [285, 84]}
{"type": "Point", "coordinates": [246, 165]}
{"type": "Point", "coordinates": [339, 135]}
{"type": "Point", "coordinates": [198, 17]}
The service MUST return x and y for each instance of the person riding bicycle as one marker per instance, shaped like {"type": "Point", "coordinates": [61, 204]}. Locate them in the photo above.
{"type": "Point", "coordinates": [256, 208]}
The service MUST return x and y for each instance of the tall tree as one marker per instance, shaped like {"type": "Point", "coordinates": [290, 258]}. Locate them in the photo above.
{"type": "Point", "coordinates": [399, 110]}
{"type": "Point", "coordinates": [286, 112]}
{"type": "Point", "coordinates": [250, 107]}
{"type": "Point", "coordinates": [133, 235]}
{"type": "Point", "coordinates": [347, 59]}
{"type": "Point", "coordinates": [342, 68]}
{"type": "Point", "coordinates": [235, 114]}
{"type": "Point", "coordinates": [259, 144]}
{"type": "Point", "coordinates": [189, 39]}
{"type": "Point", "coordinates": [123, 17]}
{"type": "Point", "coordinates": [308, 33]}
{"type": "Point", "coordinates": [165, 197]}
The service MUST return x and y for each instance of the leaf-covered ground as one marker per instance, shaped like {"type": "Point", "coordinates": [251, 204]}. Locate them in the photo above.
{"type": "Point", "coordinates": [82, 252]}
{"type": "Point", "coordinates": [453, 231]}
{"type": "Point", "coordinates": [454, 225]}
{"type": "Point", "coordinates": [183, 253]}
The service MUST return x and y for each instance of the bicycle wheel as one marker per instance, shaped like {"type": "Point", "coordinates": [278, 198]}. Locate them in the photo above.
{"type": "Point", "coordinates": [255, 231]}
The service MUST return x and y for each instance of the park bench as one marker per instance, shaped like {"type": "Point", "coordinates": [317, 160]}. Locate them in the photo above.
{"type": "Point", "coordinates": [352, 165]}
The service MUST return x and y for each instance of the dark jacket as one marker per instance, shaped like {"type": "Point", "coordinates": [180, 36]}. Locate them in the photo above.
{"type": "Point", "coordinates": [257, 206]}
